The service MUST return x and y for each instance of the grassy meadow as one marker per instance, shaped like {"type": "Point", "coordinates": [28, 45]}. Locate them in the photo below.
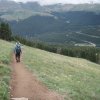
{"type": "Point", "coordinates": [5, 58]}
{"type": "Point", "coordinates": [76, 78]}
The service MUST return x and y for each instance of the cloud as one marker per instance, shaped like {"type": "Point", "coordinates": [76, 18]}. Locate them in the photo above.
{"type": "Point", "coordinates": [45, 2]}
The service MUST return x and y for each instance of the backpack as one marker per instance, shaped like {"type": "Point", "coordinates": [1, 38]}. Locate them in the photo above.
{"type": "Point", "coordinates": [18, 49]}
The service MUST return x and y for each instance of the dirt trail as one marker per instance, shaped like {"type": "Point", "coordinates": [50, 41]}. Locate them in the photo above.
{"type": "Point", "coordinates": [24, 84]}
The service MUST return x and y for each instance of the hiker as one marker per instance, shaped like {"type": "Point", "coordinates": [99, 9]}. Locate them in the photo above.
{"type": "Point", "coordinates": [17, 51]}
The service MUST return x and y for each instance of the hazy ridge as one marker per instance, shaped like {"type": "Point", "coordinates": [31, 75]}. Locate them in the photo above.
{"type": "Point", "coordinates": [53, 23]}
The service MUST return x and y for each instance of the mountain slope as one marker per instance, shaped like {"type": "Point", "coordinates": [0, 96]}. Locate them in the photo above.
{"type": "Point", "coordinates": [10, 9]}
{"type": "Point", "coordinates": [68, 23]}
{"type": "Point", "coordinates": [61, 27]}
{"type": "Point", "coordinates": [75, 78]}
{"type": "Point", "coordinates": [78, 78]}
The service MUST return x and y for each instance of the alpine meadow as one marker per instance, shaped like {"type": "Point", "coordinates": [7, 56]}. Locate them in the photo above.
{"type": "Point", "coordinates": [75, 78]}
{"type": "Point", "coordinates": [49, 51]}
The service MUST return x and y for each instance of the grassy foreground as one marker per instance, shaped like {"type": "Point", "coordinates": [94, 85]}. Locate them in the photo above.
{"type": "Point", "coordinates": [76, 78]}
{"type": "Point", "coordinates": [5, 50]}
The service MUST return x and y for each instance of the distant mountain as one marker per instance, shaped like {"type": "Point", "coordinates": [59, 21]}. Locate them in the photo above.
{"type": "Point", "coordinates": [11, 10]}
{"type": "Point", "coordinates": [63, 27]}
{"type": "Point", "coordinates": [68, 23]}
{"type": "Point", "coordinates": [58, 22]}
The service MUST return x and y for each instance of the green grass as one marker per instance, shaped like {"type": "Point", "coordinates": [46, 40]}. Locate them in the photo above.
{"type": "Point", "coordinates": [78, 78]}
{"type": "Point", "coordinates": [5, 51]}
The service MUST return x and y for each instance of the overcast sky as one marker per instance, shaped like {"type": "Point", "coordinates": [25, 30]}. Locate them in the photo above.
{"type": "Point", "coordinates": [60, 1]}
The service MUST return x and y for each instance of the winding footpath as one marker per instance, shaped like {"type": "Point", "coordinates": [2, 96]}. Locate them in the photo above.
{"type": "Point", "coordinates": [25, 86]}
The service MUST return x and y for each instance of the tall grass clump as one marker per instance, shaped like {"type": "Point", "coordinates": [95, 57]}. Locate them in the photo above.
{"type": "Point", "coordinates": [5, 59]}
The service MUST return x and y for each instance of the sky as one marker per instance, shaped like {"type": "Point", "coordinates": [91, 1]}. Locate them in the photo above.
{"type": "Point", "coordinates": [46, 2]}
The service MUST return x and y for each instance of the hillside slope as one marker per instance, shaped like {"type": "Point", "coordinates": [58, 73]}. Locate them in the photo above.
{"type": "Point", "coordinates": [62, 27]}
{"type": "Point", "coordinates": [5, 50]}
{"type": "Point", "coordinates": [78, 78]}
{"type": "Point", "coordinates": [58, 24]}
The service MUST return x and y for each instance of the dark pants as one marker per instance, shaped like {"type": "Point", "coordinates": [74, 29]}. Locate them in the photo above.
{"type": "Point", "coordinates": [18, 57]}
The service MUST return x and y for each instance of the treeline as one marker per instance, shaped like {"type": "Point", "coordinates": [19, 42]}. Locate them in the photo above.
{"type": "Point", "coordinates": [89, 53]}
{"type": "Point", "coordinates": [5, 31]}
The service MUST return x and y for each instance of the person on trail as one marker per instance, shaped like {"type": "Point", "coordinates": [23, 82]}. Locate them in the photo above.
{"type": "Point", "coordinates": [17, 51]}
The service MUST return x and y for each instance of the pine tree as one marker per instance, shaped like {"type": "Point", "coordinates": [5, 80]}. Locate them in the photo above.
{"type": "Point", "coordinates": [5, 31]}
